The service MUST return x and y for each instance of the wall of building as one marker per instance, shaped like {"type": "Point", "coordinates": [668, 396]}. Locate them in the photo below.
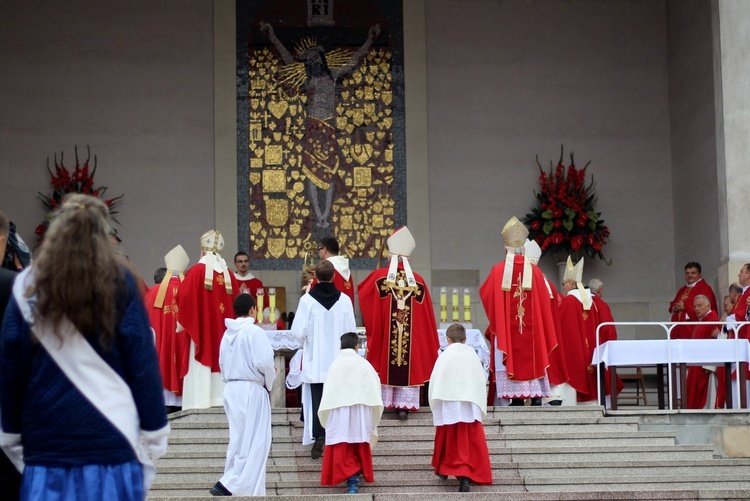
{"type": "Point", "coordinates": [134, 81]}
{"type": "Point", "coordinates": [511, 80]}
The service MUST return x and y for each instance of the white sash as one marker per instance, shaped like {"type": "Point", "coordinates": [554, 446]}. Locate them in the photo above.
{"type": "Point", "coordinates": [89, 373]}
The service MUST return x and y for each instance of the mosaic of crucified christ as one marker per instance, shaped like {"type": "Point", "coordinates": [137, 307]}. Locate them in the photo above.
{"type": "Point", "coordinates": [321, 145]}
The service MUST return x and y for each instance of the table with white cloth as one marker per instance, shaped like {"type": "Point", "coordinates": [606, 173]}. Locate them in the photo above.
{"type": "Point", "coordinates": [673, 353]}
{"type": "Point", "coordinates": [285, 344]}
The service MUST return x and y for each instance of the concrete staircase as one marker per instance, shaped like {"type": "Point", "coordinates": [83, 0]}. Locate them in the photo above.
{"type": "Point", "coordinates": [537, 453]}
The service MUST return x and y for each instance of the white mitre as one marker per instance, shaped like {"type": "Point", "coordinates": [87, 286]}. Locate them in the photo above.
{"type": "Point", "coordinates": [401, 243]}
{"type": "Point", "coordinates": [176, 261]}
{"type": "Point", "coordinates": [575, 273]}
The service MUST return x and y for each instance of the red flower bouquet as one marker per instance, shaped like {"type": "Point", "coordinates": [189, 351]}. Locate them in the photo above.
{"type": "Point", "coordinates": [80, 181]}
{"type": "Point", "coordinates": [565, 221]}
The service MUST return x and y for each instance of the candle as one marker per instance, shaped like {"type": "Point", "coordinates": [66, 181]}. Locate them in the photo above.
{"type": "Point", "coordinates": [454, 303]}
{"type": "Point", "coordinates": [467, 305]}
{"type": "Point", "coordinates": [259, 301]}
{"type": "Point", "coordinates": [272, 305]}
{"type": "Point", "coordinates": [443, 304]}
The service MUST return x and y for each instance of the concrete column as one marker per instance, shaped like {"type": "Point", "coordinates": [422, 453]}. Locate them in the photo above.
{"type": "Point", "coordinates": [731, 38]}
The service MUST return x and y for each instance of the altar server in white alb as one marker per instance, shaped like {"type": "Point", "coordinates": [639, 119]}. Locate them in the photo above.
{"type": "Point", "coordinates": [458, 399]}
{"type": "Point", "coordinates": [323, 315]}
{"type": "Point", "coordinates": [350, 411]}
{"type": "Point", "coordinates": [247, 368]}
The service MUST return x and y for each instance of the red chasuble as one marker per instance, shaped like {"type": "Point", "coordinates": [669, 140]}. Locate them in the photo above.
{"type": "Point", "coordinates": [558, 368]}
{"type": "Point", "coordinates": [172, 347]}
{"type": "Point", "coordinates": [461, 451]}
{"type": "Point", "coordinates": [742, 314]}
{"type": "Point", "coordinates": [578, 334]}
{"type": "Point", "coordinates": [202, 313]}
{"type": "Point", "coordinates": [402, 342]}
{"type": "Point", "coordinates": [521, 321]}
{"type": "Point", "coordinates": [697, 376]}
{"type": "Point", "coordinates": [687, 295]}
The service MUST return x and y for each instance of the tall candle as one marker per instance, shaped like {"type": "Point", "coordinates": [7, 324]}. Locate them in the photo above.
{"type": "Point", "coordinates": [454, 303]}
{"type": "Point", "coordinates": [443, 304]}
{"type": "Point", "coordinates": [259, 300]}
{"type": "Point", "coordinates": [272, 305]}
{"type": "Point", "coordinates": [467, 305]}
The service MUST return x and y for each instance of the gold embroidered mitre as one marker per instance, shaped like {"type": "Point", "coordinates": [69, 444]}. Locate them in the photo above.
{"type": "Point", "coordinates": [514, 237]}
{"type": "Point", "coordinates": [401, 243]}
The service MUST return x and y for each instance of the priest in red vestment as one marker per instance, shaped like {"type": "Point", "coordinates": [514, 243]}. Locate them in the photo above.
{"type": "Point", "coordinates": [172, 347]}
{"type": "Point", "coordinates": [247, 282]}
{"type": "Point", "coordinates": [402, 340]}
{"type": "Point", "coordinates": [607, 332]}
{"type": "Point", "coordinates": [521, 330]}
{"type": "Point", "coordinates": [342, 275]}
{"type": "Point", "coordinates": [561, 393]}
{"type": "Point", "coordinates": [204, 301]}
{"type": "Point", "coordinates": [578, 321]}
{"type": "Point", "coordinates": [681, 306]}
{"type": "Point", "coordinates": [742, 314]}
{"type": "Point", "coordinates": [701, 380]}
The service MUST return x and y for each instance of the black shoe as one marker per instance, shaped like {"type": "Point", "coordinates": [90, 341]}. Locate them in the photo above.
{"type": "Point", "coordinates": [441, 477]}
{"type": "Point", "coordinates": [219, 490]}
{"type": "Point", "coordinates": [555, 402]}
{"type": "Point", "coordinates": [317, 449]}
{"type": "Point", "coordinates": [403, 415]}
{"type": "Point", "coordinates": [536, 401]}
{"type": "Point", "coordinates": [517, 402]}
{"type": "Point", "coordinates": [463, 484]}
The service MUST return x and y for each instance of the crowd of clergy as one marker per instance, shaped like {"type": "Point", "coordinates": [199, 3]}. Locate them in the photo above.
{"type": "Point", "coordinates": [212, 352]}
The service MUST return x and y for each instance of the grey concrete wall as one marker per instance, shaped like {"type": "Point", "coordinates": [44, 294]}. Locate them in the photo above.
{"type": "Point", "coordinates": [693, 132]}
{"type": "Point", "coordinates": [513, 79]}
{"type": "Point", "coordinates": [135, 81]}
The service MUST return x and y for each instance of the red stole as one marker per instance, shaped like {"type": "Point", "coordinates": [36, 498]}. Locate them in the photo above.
{"type": "Point", "coordinates": [698, 377]}
{"type": "Point", "coordinates": [578, 334]}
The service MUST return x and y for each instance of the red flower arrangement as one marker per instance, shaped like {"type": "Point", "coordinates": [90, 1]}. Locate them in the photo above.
{"type": "Point", "coordinates": [80, 181]}
{"type": "Point", "coordinates": [565, 221]}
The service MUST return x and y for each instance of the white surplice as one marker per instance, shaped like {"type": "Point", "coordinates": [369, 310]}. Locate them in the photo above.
{"type": "Point", "coordinates": [247, 367]}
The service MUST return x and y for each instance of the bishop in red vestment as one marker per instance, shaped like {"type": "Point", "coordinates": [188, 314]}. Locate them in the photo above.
{"type": "Point", "coordinates": [205, 300]}
{"type": "Point", "coordinates": [607, 332]}
{"type": "Point", "coordinates": [402, 341]}
{"type": "Point", "coordinates": [681, 306]}
{"type": "Point", "coordinates": [522, 331]}
{"type": "Point", "coordinates": [172, 347]}
{"type": "Point", "coordinates": [698, 377]}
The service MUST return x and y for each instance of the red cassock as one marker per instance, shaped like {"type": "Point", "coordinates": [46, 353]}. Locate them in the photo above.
{"type": "Point", "coordinates": [687, 295]}
{"type": "Point", "coordinates": [461, 451]}
{"type": "Point", "coordinates": [578, 335]}
{"type": "Point", "coordinates": [344, 286]}
{"type": "Point", "coordinates": [202, 313]}
{"type": "Point", "coordinates": [606, 333]}
{"type": "Point", "coordinates": [343, 460]}
{"type": "Point", "coordinates": [521, 321]}
{"type": "Point", "coordinates": [172, 347]}
{"type": "Point", "coordinates": [402, 344]}
{"type": "Point", "coordinates": [697, 376]}
{"type": "Point", "coordinates": [742, 314]}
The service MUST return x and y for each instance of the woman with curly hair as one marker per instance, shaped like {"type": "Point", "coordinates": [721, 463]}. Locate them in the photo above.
{"type": "Point", "coordinates": [80, 390]}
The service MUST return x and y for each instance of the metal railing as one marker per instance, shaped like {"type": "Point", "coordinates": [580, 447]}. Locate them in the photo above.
{"type": "Point", "coordinates": [668, 328]}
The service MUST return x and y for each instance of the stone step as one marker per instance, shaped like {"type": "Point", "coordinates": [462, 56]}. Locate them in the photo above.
{"type": "Point", "coordinates": [629, 495]}
{"type": "Point", "coordinates": [644, 482]}
{"type": "Point", "coordinates": [636, 468]}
